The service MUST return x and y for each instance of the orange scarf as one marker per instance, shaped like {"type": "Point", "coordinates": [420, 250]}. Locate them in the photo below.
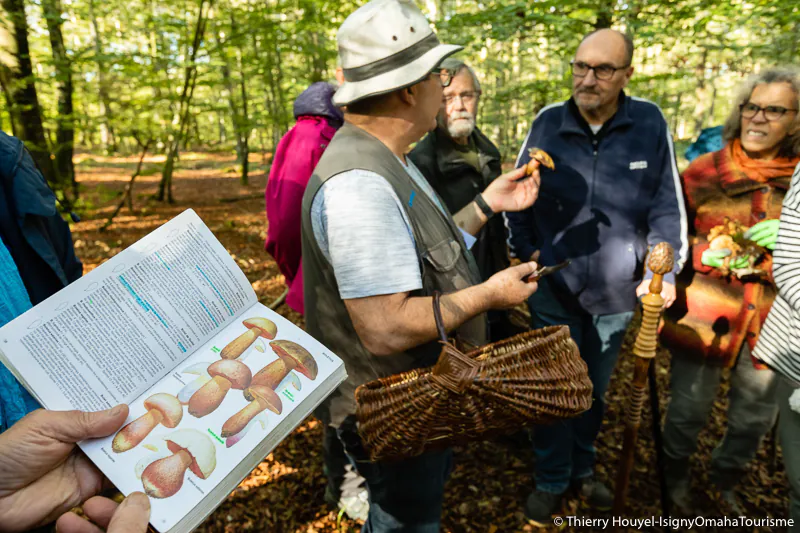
{"type": "Point", "coordinates": [761, 170]}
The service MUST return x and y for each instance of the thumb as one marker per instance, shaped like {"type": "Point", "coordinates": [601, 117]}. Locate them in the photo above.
{"type": "Point", "coordinates": [75, 426]}
{"type": "Point", "coordinates": [132, 515]}
{"type": "Point", "coordinates": [524, 269]}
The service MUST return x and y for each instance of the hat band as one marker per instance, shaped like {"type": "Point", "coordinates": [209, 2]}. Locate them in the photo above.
{"type": "Point", "coordinates": [393, 62]}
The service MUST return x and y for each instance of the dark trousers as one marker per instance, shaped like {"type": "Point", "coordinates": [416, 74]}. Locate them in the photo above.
{"type": "Point", "coordinates": [751, 414]}
{"type": "Point", "coordinates": [404, 496]}
{"type": "Point", "coordinates": [789, 430]}
{"type": "Point", "coordinates": [565, 450]}
{"type": "Point", "coordinates": [334, 463]}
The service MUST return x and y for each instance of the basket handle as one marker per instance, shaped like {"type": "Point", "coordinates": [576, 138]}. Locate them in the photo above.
{"type": "Point", "coordinates": [437, 316]}
{"type": "Point", "coordinates": [454, 371]}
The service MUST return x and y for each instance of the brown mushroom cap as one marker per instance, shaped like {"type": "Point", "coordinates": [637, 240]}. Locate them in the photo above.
{"type": "Point", "coordinates": [303, 360]}
{"type": "Point", "coordinates": [267, 328]}
{"type": "Point", "coordinates": [168, 405]}
{"type": "Point", "coordinates": [234, 371]}
{"type": "Point", "coordinates": [272, 400]}
{"type": "Point", "coordinates": [199, 446]}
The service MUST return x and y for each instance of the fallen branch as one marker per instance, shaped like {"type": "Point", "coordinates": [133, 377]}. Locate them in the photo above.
{"type": "Point", "coordinates": [127, 195]}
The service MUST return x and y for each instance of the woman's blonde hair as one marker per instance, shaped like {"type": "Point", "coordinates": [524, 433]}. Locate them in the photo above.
{"type": "Point", "coordinates": [790, 147]}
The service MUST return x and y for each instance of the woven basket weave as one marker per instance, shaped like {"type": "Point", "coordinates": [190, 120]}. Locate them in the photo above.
{"type": "Point", "coordinates": [536, 377]}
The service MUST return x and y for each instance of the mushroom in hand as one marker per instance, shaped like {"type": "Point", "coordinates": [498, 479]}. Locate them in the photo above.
{"type": "Point", "coordinates": [538, 157]}
{"type": "Point", "coordinates": [161, 408]}
{"type": "Point", "coordinates": [191, 450]}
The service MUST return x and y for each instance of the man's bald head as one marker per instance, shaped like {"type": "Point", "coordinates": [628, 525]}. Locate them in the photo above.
{"type": "Point", "coordinates": [601, 69]}
{"type": "Point", "coordinates": [606, 38]}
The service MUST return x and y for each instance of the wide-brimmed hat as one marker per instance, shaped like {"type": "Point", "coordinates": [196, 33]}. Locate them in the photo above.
{"type": "Point", "coordinates": [386, 45]}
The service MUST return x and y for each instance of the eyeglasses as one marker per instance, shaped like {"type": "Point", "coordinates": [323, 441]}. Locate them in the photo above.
{"type": "Point", "coordinates": [466, 97]}
{"type": "Point", "coordinates": [444, 75]}
{"type": "Point", "coordinates": [601, 72]}
{"type": "Point", "coordinates": [771, 112]}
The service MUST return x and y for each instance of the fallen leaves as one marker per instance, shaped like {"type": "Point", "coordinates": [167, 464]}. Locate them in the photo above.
{"type": "Point", "coordinates": [490, 480]}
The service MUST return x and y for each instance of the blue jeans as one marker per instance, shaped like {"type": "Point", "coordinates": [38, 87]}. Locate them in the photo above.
{"type": "Point", "coordinates": [404, 496]}
{"type": "Point", "coordinates": [565, 450]}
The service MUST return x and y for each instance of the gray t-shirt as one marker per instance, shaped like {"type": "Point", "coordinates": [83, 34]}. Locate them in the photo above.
{"type": "Point", "coordinates": [363, 231]}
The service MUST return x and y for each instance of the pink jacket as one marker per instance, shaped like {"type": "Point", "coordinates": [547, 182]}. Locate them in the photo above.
{"type": "Point", "coordinates": [295, 158]}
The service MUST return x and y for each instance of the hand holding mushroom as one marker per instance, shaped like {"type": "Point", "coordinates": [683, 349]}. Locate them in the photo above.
{"type": "Point", "coordinates": [161, 408]}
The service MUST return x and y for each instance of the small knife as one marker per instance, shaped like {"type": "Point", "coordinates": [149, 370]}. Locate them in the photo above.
{"type": "Point", "coordinates": [545, 270]}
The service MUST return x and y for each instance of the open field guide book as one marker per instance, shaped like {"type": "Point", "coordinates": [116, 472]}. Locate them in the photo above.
{"type": "Point", "coordinates": [172, 327]}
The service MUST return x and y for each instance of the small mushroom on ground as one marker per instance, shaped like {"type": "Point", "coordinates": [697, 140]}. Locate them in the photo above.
{"type": "Point", "coordinates": [538, 157]}
{"type": "Point", "coordinates": [224, 374]}
{"type": "Point", "coordinates": [161, 408]}
{"type": "Point", "coordinates": [256, 327]}
{"type": "Point", "coordinates": [303, 360]}
{"type": "Point", "coordinates": [191, 450]}
{"type": "Point", "coordinates": [261, 395]}
{"type": "Point", "coordinates": [201, 371]}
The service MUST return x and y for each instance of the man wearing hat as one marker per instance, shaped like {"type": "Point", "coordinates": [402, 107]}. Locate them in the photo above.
{"type": "Point", "coordinates": [378, 242]}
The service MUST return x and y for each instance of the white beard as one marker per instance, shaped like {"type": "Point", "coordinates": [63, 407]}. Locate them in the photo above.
{"type": "Point", "coordinates": [461, 129]}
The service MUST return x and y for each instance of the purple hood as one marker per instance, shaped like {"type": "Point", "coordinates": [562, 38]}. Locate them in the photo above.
{"type": "Point", "coordinates": [316, 101]}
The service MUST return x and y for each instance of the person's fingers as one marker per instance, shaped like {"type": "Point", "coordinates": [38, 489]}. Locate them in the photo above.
{"type": "Point", "coordinates": [71, 523]}
{"type": "Point", "coordinates": [722, 252]}
{"type": "Point", "coordinates": [517, 173]}
{"type": "Point", "coordinates": [132, 515]}
{"type": "Point", "coordinates": [75, 426]}
{"type": "Point", "coordinates": [100, 510]}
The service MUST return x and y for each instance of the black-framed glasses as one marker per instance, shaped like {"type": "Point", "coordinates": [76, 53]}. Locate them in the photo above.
{"type": "Point", "coordinates": [601, 72]}
{"type": "Point", "coordinates": [771, 112]}
{"type": "Point", "coordinates": [445, 76]}
{"type": "Point", "coordinates": [466, 97]}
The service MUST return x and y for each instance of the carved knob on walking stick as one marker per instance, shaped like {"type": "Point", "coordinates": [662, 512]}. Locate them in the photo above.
{"type": "Point", "coordinates": [660, 262]}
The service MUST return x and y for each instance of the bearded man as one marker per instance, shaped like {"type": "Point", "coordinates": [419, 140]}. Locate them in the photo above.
{"type": "Point", "coordinates": [459, 161]}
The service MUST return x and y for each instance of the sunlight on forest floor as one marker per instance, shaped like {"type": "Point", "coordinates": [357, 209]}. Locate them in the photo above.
{"type": "Point", "coordinates": [285, 493]}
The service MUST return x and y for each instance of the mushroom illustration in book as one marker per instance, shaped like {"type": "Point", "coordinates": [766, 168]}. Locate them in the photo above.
{"type": "Point", "coordinates": [162, 408]}
{"type": "Point", "coordinates": [267, 384]}
{"type": "Point", "coordinates": [225, 375]}
{"type": "Point", "coordinates": [256, 327]}
{"type": "Point", "coordinates": [303, 360]}
{"type": "Point", "coordinates": [190, 450]}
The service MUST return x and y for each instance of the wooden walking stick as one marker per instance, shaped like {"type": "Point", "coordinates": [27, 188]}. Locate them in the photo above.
{"type": "Point", "coordinates": [660, 262]}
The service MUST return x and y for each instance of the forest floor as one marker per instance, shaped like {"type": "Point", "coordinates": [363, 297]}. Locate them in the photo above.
{"type": "Point", "coordinates": [285, 493]}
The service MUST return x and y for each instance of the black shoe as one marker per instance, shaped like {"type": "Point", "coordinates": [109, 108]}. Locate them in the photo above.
{"type": "Point", "coordinates": [595, 494]}
{"type": "Point", "coordinates": [542, 506]}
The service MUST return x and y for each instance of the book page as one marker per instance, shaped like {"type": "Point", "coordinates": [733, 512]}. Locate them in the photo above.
{"type": "Point", "coordinates": [214, 422]}
{"type": "Point", "coordinates": [112, 334]}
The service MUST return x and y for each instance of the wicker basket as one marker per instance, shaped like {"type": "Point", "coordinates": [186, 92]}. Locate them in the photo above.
{"type": "Point", "coordinates": [536, 377]}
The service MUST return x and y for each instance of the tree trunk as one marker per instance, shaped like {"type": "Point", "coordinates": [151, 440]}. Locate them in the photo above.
{"type": "Point", "coordinates": [189, 82]}
{"type": "Point", "coordinates": [65, 124]}
{"type": "Point", "coordinates": [18, 71]}
{"type": "Point", "coordinates": [107, 136]}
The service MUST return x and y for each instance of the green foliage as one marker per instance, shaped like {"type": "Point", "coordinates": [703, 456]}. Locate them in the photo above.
{"type": "Point", "coordinates": [128, 76]}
